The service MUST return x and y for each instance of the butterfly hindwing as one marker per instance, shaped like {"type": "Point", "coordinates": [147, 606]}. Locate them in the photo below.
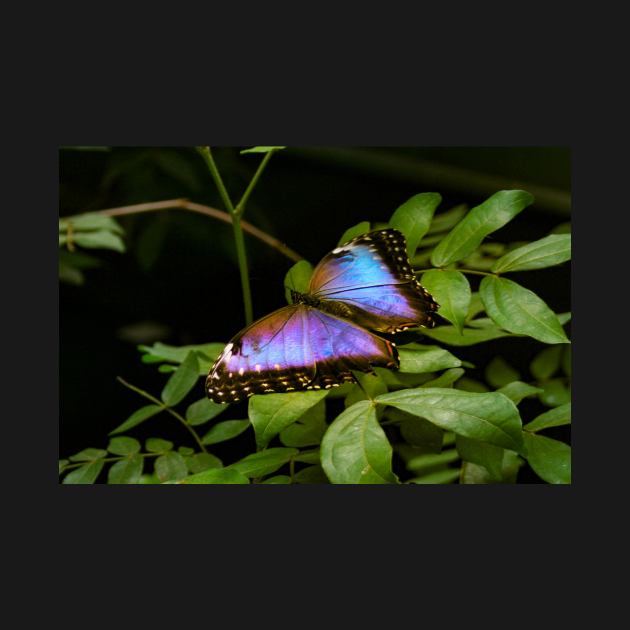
{"type": "Point", "coordinates": [295, 348]}
{"type": "Point", "coordinates": [369, 280]}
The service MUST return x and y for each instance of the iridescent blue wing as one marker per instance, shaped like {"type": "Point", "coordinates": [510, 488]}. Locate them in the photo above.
{"type": "Point", "coordinates": [370, 281]}
{"type": "Point", "coordinates": [295, 348]}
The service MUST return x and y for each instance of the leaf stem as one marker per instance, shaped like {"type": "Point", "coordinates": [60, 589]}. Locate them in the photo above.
{"type": "Point", "coordinates": [185, 204]}
{"type": "Point", "coordinates": [165, 408]}
{"type": "Point", "coordinates": [239, 241]}
{"type": "Point", "coordinates": [206, 154]}
{"type": "Point", "coordinates": [240, 208]}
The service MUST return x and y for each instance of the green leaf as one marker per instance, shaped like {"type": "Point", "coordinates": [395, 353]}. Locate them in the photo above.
{"type": "Point", "coordinates": [499, 372]}
{"type": "Point", "coordinates": [85, 474]}
{"type": "Point", "coordinates": [273, 412]}
{"type": "Point", "coordinates": [414, 217]}
{"type": "Point", "coordinates": [167, 368]}
{"type": "Point", "coordinates": [553, 418]}
{"type": "Point", "coordinates": [489, 417]}
{"type": "Point", "coordinates": [127, 470]}
{"type": "Point", "coordinates": [88, 455]}
{"type": "Point", "coordinates": [158, 445]}
{"type": "Point", "coordinates": [278, 479]}
{"type": "Point", "coordinates": [223, 431]}
{"type": "Point", "coordinates": [475, 307]}
{"type": "Point", "coordinates": [308, 429]}
{"type": "Point", "coordinates": [546, 363]}
{"type": "Point", "coordinates": [261, 150]}
{"type": "Point", "coordinates": [482, 220]}
{"type": "Point", "coordinates": [355, 449]}
{"type": "Point", "coordinates": [142, 414]}
{"type": "Point", "coordinates": [99, 240]}
{"type": "Point", "coordinates": [446, 220]}
{"type": "Point", "coordinates": [217, 476]}
{"type": "Point", "coordinates": [170, 467]}
{"type": "Point", "coordinates": [555, 393]}
{"type": "Point", "coordinates": [428, 463]}
{"type": "Point", "coordinates": [124, 446]}
{"type": "Point", "coordinates": [445, 379]}
{"type": "Point", "coordinates": [185, 450]}
{"type": "Point", "coordinates": [511, 464]}
{"type": "Point", "coordinates": [148, 479]}
{"type": "Point", "coordinates": [416, 358]}
{"type": "Point", "coordinates": [264, 462]}
{"type": "Point", "coordinates": [451, 290]}
{"type": "Point", "coordinates": [202, 411]}
{"type": "Point", "coordinates": [308, 457]}
{"type": "Point", "coordinates": [62, 463]}
{"type": "Point", "coordinates": [517, 390]}
{"type": "Point", "coordinates": [468, 337]}
{"type": "Point", "coordinates": [370, 385]}
{"type": "Point", "coordinates": [520, 310]}
{"type": "Point", "coordinates": [70, 274]}
{"type": "Point", "coordinates": [418, 432]}
{"type": "Point", "coordinates": [206, 353]}
{"type": "Point", "coordinates": [561, 228]}
{"type": "Point", "coordinates": [355, 230]}
{"type": "Point", "coordinates": [468, 384]}
{"type": "Point", "coordinates": [448, 475]}
{"type": "Point", "coordinates": [549, 459]}
{"type": "Point", "coordinates": [298, 279]}
{"type": "Point", "coordinates": [90, 221]}
{"type": "Point", "coordinates": [311, 474]}
{"type": "Point", "coordinates": [202, 461]}
{"type": "Point", "coordinates": [487, 455]}
{"type": "Point", "coordinates": [182, 380]}
{"type": "Point", "coordinates": [546, 252]}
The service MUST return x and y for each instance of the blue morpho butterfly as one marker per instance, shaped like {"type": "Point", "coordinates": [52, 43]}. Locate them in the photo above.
{"type": "Point", "coordinates": [364, 285]}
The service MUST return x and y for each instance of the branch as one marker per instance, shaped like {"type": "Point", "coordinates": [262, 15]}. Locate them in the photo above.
{"type": "Point", "coordinates": [184, 204]}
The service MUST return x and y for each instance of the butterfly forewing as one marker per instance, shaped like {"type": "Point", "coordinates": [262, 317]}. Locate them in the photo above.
{"type": "Point", "coordinates": [295, 348]}
{"type": "Point", "coordinates": [369, 280]}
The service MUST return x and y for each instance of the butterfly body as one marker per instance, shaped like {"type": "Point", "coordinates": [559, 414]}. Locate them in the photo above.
{"type": "Point", "coordinates": [365, 285]}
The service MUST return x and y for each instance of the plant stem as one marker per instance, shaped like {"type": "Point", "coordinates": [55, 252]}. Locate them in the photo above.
{"type": "Point", "coordinates": [206, 153]}
{"type": "Point", "coordinates": [239, 241]}
{"type": "Point", "coordinates": [241, 255]}
{"type": "Point", "coordinates": [240, 208]}
{"type": "Point", "coordinates": [184, 204]}
{"type": "Point", "coordinates": [166, 408]}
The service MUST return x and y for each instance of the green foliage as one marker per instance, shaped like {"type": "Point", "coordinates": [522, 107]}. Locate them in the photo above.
{"type": "Point", "coordinates": [520, 310]}
{"type": "Point", "coordinates": [351, 232]}
{"type": "Point", "coordinates": [355, 448]}
{"type": "Point", "coordinates": [451, 290]}
{"type": "Point", "coordinates": [297, 279]}
{"type": "Point", "coordinates": [414, 217]}
{"type": "Point", "coordinates": [271, 413]}
{"type": "Point", "coordinates": [480, 221]}
{"type": "Point", "coordinates": [445, 423]}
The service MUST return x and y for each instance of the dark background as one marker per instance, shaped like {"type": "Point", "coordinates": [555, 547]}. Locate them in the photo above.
{"type": "Point", "coordinates": [179, 282]}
